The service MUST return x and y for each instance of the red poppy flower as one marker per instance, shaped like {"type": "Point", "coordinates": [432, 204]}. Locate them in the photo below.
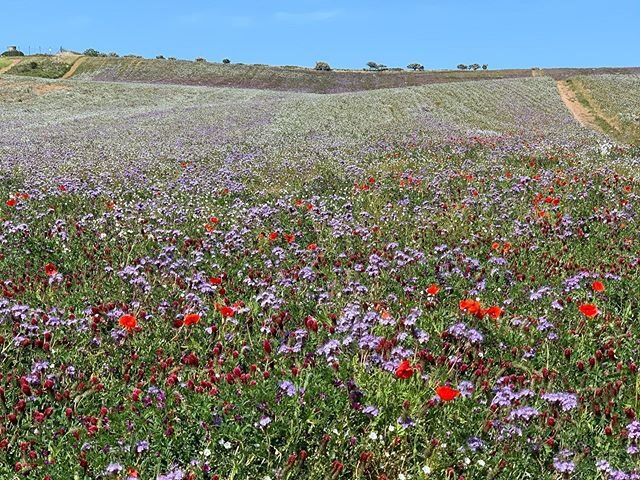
{"type": "Point", "coordinates": [312, 246]}
{"type": "Point", "coordinates": [62, 188]}
{"type": "Point", "coordinates": [214, 220]}
{"type": "Point", "coordinates": [215, 280]}
{"type": "Point", "coordinates": [289, 237]}
{"type": "Point", "coordinates": [404, 370]}
{"type": "Point", "coordinates": [50, 269]}
{"type": "Point", "coordinates": [597, 286]}
{"type": "Point", "coordinates": [433, 289]}
{"type": "Point", "coordinates": [589, 310]}
{"type": "Point", "coordinates": [128, 321]}
{"type": "Point", "coordinates": [472, 307]}
{"type": "Point", "coordinates": [191, 319]}
{"type": "Point", "coordinates": [495, 312]}
{"type": "Point", "coordinates": [11, 202]}
{"type": "Point", "coordinates": [447, 393]}
{"type": "Point", "coordinates": [227, 312]}
{"type": "Point", "coordinates": [273, 236]}
{"type": "Point", "coordinates": [495, 246]}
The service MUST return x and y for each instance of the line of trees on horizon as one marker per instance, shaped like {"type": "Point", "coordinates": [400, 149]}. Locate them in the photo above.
{"type": "Point", "coordinates": [319, 66]}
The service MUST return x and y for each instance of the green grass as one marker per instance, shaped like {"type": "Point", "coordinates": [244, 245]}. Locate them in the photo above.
{"type": "Point", "coordinates": [615, 102]}
{"type": "Point", "coordinates": [5, 62]}
{"type": "Point", "coordinates": [43, 67]}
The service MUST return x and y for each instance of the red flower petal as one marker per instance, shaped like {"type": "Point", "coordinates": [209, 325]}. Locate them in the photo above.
{"type": "Point", "coordinates": [447, 393]}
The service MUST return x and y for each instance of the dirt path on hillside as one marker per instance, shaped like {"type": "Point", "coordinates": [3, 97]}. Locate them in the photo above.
{"type": "Point", "coordinates": [579, 112]}
{"type": "Point", "coordinates": [74, 67]}
{"type": "Point", "coordinates": [9, 67]}
{"type": "Point", "coordinates": [587, 113]}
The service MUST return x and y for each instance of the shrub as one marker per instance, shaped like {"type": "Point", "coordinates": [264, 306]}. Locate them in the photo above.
{"type": "Point", "coordinates": [474, 66]}
{"type": "Point", "coordinates": [91, 52]}
{"type": "Point", "coordinates": [226, 61]}
{"type": "Point", "coordinates": [322, 66]}
{"type": "Point", "coordinates": [462, 66]}
{"type": "Point", "coordinates": [44, 67]}
{"type": "Point", "coordinates": [160, 57]}
{"type": "Point", "coordinates": [415, 66]}
{"type": "Point", "coordinates": [485, 66]}
{"type": "Point", "coordinates": [200, 60]}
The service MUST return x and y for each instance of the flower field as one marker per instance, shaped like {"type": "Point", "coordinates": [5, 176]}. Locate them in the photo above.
{"type": "Point", "coordinates": [432, 282]}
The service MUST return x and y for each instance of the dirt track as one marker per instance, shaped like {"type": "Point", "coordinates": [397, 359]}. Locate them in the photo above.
{"type": "Point", "coordinates": [580, 113]}
{"type": "Point", "coordinates": [9, 67]}
{"type": "Point", "coordinates": [74, 67]}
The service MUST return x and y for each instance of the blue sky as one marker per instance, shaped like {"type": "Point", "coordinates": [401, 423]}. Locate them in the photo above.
{"type": "Point", "coordinates": [347, 34]}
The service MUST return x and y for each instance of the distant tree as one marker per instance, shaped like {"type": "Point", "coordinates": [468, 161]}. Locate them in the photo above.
{"type": "Point", "coordinates": [415, 66]}
{"type": "Point", "coordinates": [113, 54]}
{"type": "Point", "coordinates": [226, 61]}
{"type": "Point", "coordinates": [485, 66]}
{"type": "Point", "coordinates": [324, 66]}
{"type": "Point", "coordinates": [462, 66]}
{"type": "Point", "coordinates": [171, 58]}
{"type": "Point", "coordinates": [373, 65]}
{"type": "Point", "coordinates": [474, 66]}
{"type": "Point", "coordinates": [160, 57]}
{"type": "Point", "coordinates": [200, 60]}
{"type": "Point", "coordinates": [91, 52]}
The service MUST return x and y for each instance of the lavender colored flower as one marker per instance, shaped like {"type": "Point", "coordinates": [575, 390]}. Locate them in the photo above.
{"type": "Point", "coordinates": [523, 413]}
{"type": "Point", "coordinates": [113, 469]}
{"type": "Point", "coordinates": [142, 446]}
{"type": "Point", "coordinates": [289, 388]}
{"type": "Point", "coordinates": [566, 401]}
{"type": "Point", "coordinates": [371, 410]}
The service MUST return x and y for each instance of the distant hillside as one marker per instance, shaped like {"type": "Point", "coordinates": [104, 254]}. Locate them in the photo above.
{"type": "Point", "coordinates": [295, 79]}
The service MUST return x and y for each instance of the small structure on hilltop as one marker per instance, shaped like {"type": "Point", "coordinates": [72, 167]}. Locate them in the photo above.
{"type": "Point", "coordinates": [12, 51]}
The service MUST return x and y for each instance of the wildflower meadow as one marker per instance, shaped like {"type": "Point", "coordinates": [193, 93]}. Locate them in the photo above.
{"type": "Point", "coordinates": [438, 281]}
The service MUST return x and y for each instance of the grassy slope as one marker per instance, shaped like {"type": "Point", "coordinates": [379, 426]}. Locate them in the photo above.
{"type": "Point", "coordinates": [268, 77]}
{"type": "Point", "coordinates": [5, 61]}
{"type": "Point", "coordinates": [291, 78]}
{"type": "Point", "coordinates": [615, 102]}
{"type": "Point", "coordinates": [43, 66]}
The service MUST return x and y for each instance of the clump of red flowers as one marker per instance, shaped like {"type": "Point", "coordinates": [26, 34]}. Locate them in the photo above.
{"type": "Point", "coordinates": [433, 289]}
{"type": "Point", "coordinates": [447, 393]}
{"type": "Point", "coordinates": [404, 370]}
{"type": "Point", "coordinates": [191, 319]}
{"type": "Point", "coordinates": [474, 307]}
{"type": "Point", "coordinates": [128, 322]}
{"type": "Point", "coordinates": [589, 310]}
{"type": "Point", "coordinates": [50, 269]}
